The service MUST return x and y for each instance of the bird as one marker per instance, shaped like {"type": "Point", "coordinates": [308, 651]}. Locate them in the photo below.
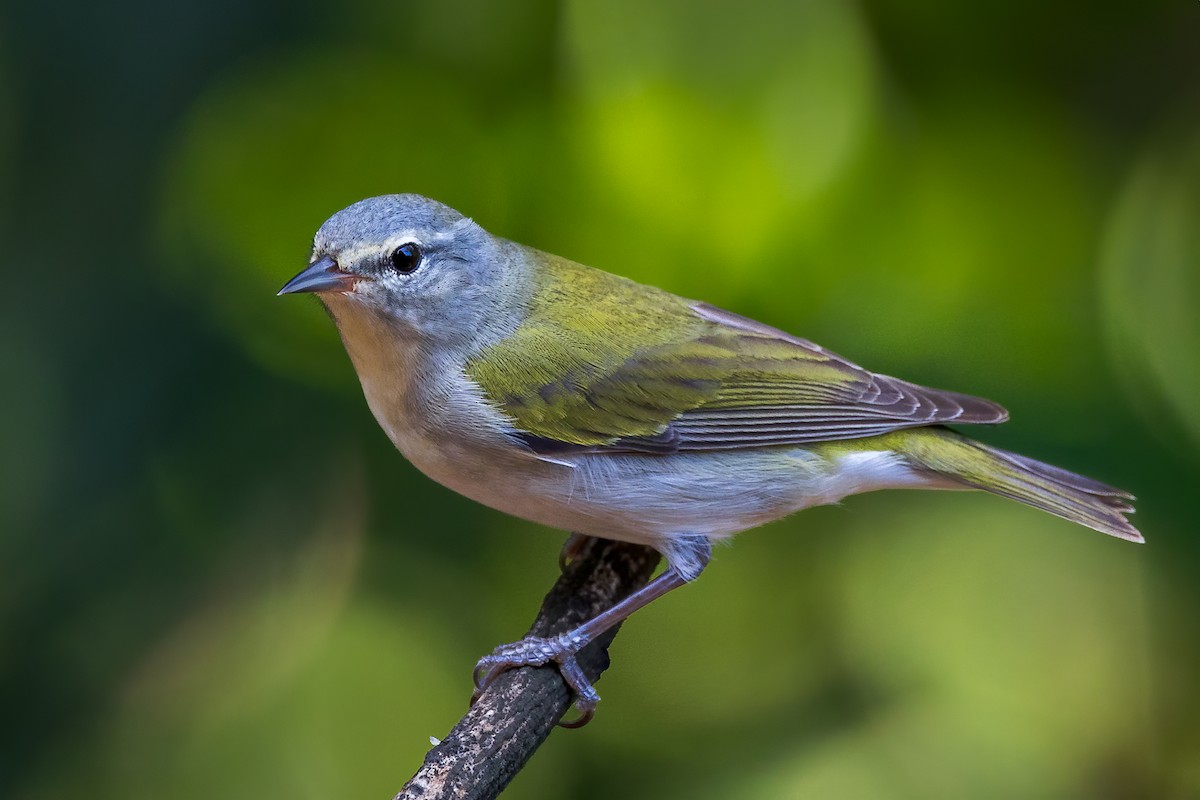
{"type": "Point", "coordinates": [584, 401]}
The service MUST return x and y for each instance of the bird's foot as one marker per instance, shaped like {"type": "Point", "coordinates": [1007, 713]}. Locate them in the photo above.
{"type": "Point", "coordinates": [572, 549]}
{"type": "Point", "coordinates": [535, 651]}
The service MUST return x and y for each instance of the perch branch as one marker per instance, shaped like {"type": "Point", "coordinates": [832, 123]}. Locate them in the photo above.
{"type": "Point", "coordinates": [492, 742]}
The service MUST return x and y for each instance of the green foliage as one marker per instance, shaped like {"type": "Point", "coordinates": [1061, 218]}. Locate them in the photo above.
{"type": "Point", "coordinates": [1151, 285]}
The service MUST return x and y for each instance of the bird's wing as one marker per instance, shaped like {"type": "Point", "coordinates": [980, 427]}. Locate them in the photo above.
{"type": "Point", "coordinates": [795, 392]}
{"type": "Point", "coordinates": [714, 381]}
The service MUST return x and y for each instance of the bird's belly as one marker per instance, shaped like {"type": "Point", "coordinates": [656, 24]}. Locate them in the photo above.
{"type": "Point", "coordinates": [640, 498]}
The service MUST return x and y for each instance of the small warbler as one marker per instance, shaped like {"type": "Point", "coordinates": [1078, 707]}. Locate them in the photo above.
{"type": "Point", "coordinates": [584, 401]}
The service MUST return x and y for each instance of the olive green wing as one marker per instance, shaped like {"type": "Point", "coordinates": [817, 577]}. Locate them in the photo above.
{"type": "Point", "coordinates": [787, 390]}
{"type": "Point", "coordinates": [635, 369]}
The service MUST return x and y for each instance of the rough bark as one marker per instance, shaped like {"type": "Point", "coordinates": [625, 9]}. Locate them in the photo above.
{"type": "Point", "coordinates": [497, 736]}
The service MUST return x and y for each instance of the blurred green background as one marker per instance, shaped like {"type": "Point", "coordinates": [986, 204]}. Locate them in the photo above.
{"type": "Point", "coordinates": [217, 579]}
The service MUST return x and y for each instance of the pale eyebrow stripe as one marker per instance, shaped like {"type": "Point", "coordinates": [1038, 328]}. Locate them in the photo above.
{"type": "Point", "coordinates": [362, 251]}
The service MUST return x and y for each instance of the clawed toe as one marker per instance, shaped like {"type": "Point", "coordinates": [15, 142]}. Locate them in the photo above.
{"type": "Point", "coordinates": [534, 651]}
{"type": "Point", "coordinates": [485, 672]}
{"type": "Point", "coordinates": [572, 548]}
{"type": "Point", "coordinates": [586, 712]}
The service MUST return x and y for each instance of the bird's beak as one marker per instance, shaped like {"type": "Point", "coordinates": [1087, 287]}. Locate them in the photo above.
{"type": "Point", "coordinates": [321, 276]}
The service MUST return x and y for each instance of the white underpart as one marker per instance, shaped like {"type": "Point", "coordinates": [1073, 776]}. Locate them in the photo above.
{"type": "Point", "coordinates": [716, 493]}
{"type": "Point", "coordinates": [877, 469]}
{"type": "Point", "coordinates": [651, 499]}
{"type": "Point", "coordinates": [445, 427]}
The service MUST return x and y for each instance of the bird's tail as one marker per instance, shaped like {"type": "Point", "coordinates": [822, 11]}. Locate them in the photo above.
{"type": "Point", "coordinates": [1043, 486]}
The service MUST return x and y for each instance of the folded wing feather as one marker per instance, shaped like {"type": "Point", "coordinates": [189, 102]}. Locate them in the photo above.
{"type": "Point", "coordinates": [740, 384]}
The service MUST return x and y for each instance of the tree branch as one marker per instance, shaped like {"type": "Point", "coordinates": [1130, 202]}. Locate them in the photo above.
{"type": "Point", "coordinates": [489, 745]}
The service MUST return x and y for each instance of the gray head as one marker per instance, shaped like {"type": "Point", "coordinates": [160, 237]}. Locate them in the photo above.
{"type": "Point", "coordinates": [411, 262]}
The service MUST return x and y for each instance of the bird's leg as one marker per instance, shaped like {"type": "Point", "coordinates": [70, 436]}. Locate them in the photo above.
{"type": "Point", "coordinates": [571, 549]}
{"type": "Point", "coordinates": [686, 558]}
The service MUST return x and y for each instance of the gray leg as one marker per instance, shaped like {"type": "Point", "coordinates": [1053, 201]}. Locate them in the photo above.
{"type": "Point", "coordinates": [692, 553]}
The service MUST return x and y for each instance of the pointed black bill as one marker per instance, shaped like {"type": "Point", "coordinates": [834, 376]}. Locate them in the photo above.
{"type": "Point", "coordinates": [321, 276]}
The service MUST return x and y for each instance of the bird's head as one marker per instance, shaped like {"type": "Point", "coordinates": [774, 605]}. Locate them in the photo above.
{"type": "Point", "coordinates": [414, 266]}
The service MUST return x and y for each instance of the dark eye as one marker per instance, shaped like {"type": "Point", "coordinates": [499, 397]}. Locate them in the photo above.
{"type": "Point", "coordinates": [406, 258]}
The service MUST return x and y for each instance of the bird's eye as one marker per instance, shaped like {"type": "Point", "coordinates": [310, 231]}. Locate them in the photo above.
{"type": "Point", "coordinates": [406, 257]}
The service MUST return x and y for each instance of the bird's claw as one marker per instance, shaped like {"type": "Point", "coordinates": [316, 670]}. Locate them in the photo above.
{"type": "Point", "coordinates": [535, 651]}
{"type": "Point", "coordinates": [572, 548]}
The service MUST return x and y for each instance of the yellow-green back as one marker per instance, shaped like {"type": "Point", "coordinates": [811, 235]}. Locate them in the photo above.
{"type": "Point", "coordinates": [603, 361]}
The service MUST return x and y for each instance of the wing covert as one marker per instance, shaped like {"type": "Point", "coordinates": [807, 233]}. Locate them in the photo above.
{"type": "Point", "coordinates": [656, 374]}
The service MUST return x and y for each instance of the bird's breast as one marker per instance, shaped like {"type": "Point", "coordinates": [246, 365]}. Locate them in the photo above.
{"type": "Point", "coordinates": [442, 422]}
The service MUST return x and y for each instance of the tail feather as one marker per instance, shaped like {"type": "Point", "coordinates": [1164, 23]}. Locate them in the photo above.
{"type": "Point", "coordinates": [1057, 491]}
